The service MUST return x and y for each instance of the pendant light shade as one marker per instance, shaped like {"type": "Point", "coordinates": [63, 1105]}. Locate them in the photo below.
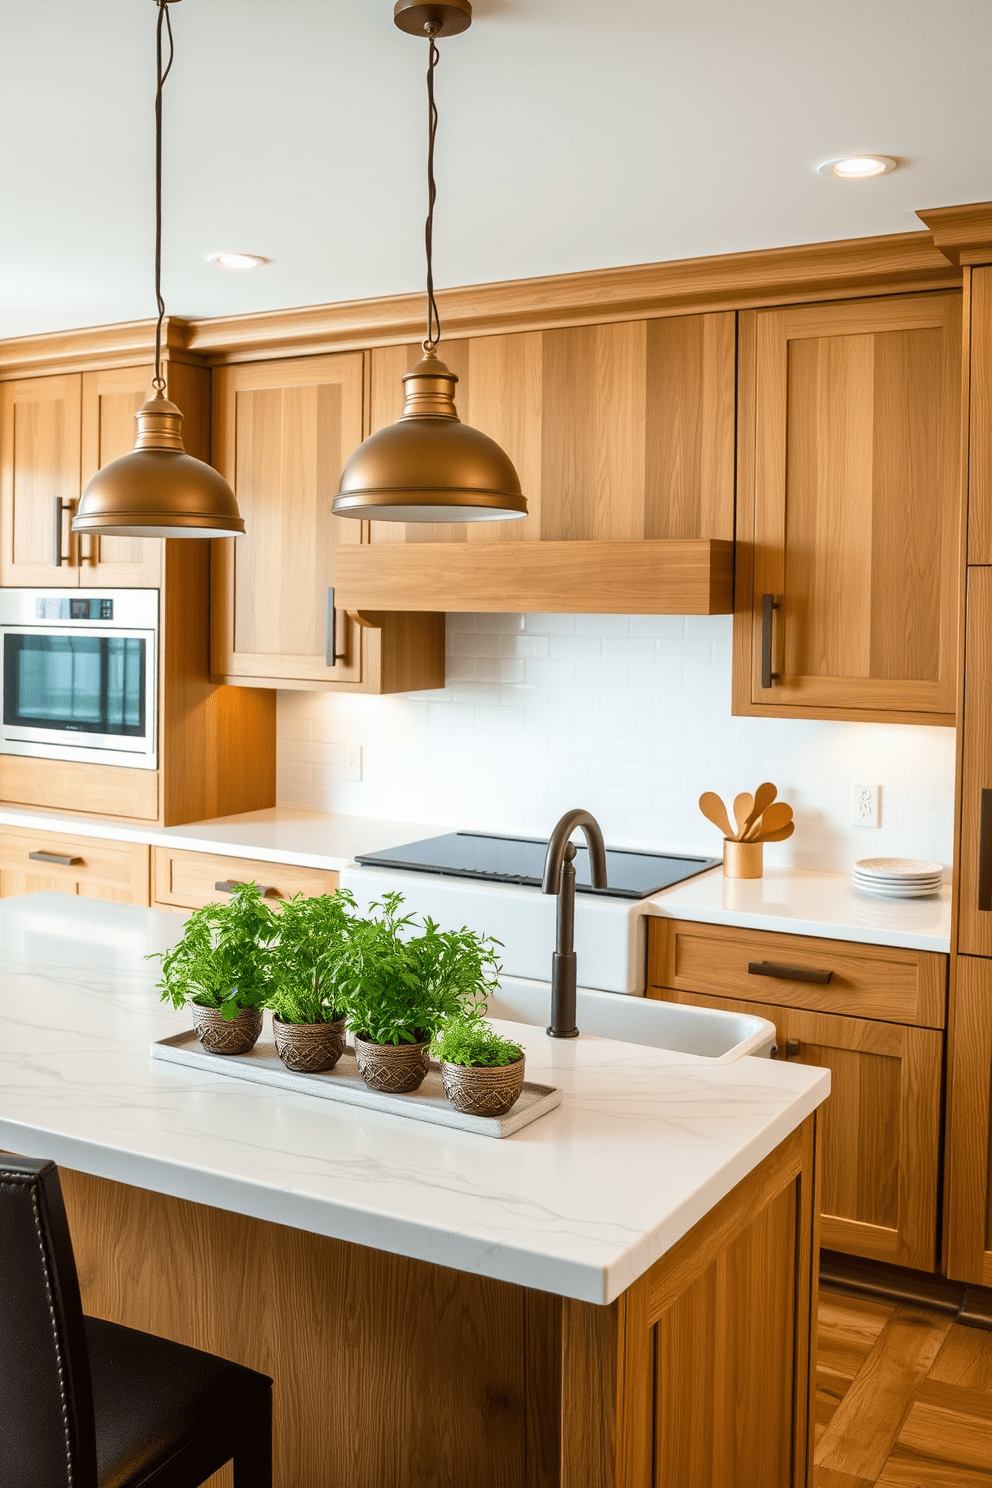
{"type": "Point", "coordinates": [429, 466]}
{"type": "Point", "coordinates": [158, 490]}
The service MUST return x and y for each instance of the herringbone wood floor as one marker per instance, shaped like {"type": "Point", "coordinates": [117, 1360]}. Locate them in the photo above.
{"type": "Point", "coordinates": [904, 1397]}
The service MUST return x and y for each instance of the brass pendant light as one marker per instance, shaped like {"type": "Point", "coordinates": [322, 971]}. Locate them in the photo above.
{"type": "Point", "coordinates": [159, 490]}
{"type": "Point", "coordinates": [429, 466]}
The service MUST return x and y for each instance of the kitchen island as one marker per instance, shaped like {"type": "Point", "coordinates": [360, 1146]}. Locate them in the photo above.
{"type": "Point", "coordinates": [619, 1294]}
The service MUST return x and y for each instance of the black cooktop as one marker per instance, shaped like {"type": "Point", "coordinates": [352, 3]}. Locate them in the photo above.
{"type": "Point", "coordinates": [520, 860]}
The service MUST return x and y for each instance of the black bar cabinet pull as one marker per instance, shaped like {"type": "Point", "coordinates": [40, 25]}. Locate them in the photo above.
{"type": "Point", "coordinates": [228, 886]}
{"type": "Point", "coordinates": [985, 852]}
{"type": "Point", "coordinates": [57, 554]}
{"type": "Point", "coordinates": [768, 604]}
{"type": "Point", "coordinates": [331, 642]}
{"type": "Point", "coordinates": [788, 973]}
{"type": "Point", "coordinates": [62, 859]}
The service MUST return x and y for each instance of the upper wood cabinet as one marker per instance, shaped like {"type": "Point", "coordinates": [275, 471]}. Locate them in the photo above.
{"type": "Point", "coordinates": [849, 510]}
{"type": "Point", "coordinates": [55, 433]}
{"type": "Point", "coordinates": [39, 481]}
{"type": "Point", "coordinates": [281, 434]}
{"type": "Point", "coordinates": [623, 438]}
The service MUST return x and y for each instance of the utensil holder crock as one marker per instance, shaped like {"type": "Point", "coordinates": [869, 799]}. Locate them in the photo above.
{"type": "Point", "coordinates": [742, 859]}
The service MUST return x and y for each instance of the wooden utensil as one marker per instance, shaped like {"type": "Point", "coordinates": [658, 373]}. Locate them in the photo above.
{"type": "Point", "coordinates": [763, 798]}
{"type": "Point", "coordinates": [742, 812]}
{"type": "Point", "coordinates": [777, 815]}
{"type": "Point", "coordinates": [779, 836]}
{"type": "Point", "coordinates": [714, 810]}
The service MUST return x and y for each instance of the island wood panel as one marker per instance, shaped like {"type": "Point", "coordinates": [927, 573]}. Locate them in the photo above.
{"type": "Point", "coordinates": [66, 785]}
{"type": "Point", "coordinates": [968, 1155]}
{"type": "Point", "coordinates": [881, 1126]}
{"type": "Point", "coordinates": [975, 886]}
{"type": "Point", "coordinates": [389, 1370]}
{"type": "Point", "coordinates": [100, 869]}
{"type": "Point", "coordinates": [188, 880]}
{"type": "Point", "coordinates": [110, 400]}
{"type": "Point", "coordinates": [39, 462]}
{"type": "Point", "coordinates": [878, 982]}
{"type": "Point", "coordinates": [849, 508]}
{"type": "Point", "coordinates": [980, 419]}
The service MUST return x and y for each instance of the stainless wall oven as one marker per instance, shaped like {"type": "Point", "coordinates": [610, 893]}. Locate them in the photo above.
{"type": "Point", "coordinates": [80, 675]}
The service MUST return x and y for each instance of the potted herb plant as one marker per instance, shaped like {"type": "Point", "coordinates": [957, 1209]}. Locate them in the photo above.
{"type": "Point", "coordinates": [308, 1014]}
{"type": "Point", "coordinates": [483, 1072]}
{"type": "Point", "coordinates": [400, 988]}
{"type": "Point", "coordinates": [221, 970]}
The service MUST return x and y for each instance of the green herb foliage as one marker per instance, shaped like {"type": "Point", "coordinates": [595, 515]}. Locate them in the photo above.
{"type": "Point", "coordinates": [400, 987]}
{"type": "Point", "coordinates": [225, 957]}
{"type": "Point", "coordinates": [312, 936]}
{"type": "Point", "coordinates": [472, 1041]}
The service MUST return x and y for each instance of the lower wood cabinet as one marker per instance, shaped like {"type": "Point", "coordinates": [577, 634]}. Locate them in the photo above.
{"type": "Point", "coordinates": [31, 862]}
{"type": "Point", "coordinates": [968, 1166]}
{"type": "Point", "coordinates": [188, 880]}
{"type": "Point", "coordinates": [881, 1124]}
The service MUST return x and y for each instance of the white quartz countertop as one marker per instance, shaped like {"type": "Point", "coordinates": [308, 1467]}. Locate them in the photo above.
{"type": "Point", "coordinates": [280, 834]}
{"type": "Point", "coordinates": [580, 1203]}
{"type": "Point", "coordinates": [802, 902]}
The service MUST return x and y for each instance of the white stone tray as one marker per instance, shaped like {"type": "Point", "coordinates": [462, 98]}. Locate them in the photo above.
{"type": "Point", "coordinates": [263, 1066]}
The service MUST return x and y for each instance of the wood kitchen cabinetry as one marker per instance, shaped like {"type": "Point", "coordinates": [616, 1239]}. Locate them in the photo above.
{"type": "Point", "coordinates": [189, 880]}
{"type": "Point", "coordinates": [55, 434]}
{"type": "Point", "coordinates": [623, 438]}
{"type": "Point", "coordinates": [849, 510]}
{"type": "Point", "coordinates": [32, 861]}
{"type": "Point", "coordinates": [281, 434]}
{"type": "Point", "coordinates": [877, 1024]}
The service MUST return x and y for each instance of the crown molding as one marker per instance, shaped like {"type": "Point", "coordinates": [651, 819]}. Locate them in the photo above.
{"type": "Point", "coordinates": [900, 263]}
{"type": "Point", "coordinates": [962, 234]}
{"type": "Point", "coordinates": [129, 344]}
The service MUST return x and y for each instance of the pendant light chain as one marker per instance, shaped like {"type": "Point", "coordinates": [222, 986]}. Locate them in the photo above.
{"type": "Point", "coordinates": [158, 381]}
{"type": "Point", "coordinates": [433, 318]}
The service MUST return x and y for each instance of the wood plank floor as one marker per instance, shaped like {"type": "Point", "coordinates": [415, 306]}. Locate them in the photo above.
{"type": "Point", "coordinates": [903, 1397]}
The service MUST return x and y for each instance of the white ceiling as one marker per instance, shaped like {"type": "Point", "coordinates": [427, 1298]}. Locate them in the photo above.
{"type": "Point", "coordinates": [573, 135]}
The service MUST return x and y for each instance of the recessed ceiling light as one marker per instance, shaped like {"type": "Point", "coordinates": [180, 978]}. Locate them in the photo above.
{"type": "Point", "coordinates": [857, 167]}
{"type": "Point", "coordinates": [239, 260]}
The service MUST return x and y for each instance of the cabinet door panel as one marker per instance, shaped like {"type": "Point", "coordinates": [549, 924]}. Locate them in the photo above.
{"type": "Point", "coordinates": [974, 921]}
{"type": "Point", "coordinates": [880, 1127]}
{"type": "Point", "coordinates": [39, 464]}
{"type": "Point", "coordinates": [110, 401]}
{"type": "Point", "coordinates": [968, 1163]}
{"type": "Point", "coordinates": [283, 431]}
{"type": "Point", "coordinates": [850, 506]}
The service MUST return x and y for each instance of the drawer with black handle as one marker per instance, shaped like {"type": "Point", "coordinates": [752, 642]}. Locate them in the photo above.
{"type": "Point", "coordinates": [799, 971]}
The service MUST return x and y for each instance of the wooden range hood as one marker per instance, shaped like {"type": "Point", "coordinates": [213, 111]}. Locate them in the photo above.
{"type": "Point", "coordinates": [691, 576]}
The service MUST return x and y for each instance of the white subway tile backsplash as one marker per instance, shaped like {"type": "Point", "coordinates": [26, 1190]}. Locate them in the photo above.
{"type": "Point", "coordinates": [627, 715]}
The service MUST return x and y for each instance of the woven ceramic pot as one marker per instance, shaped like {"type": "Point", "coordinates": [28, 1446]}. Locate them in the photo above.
{"type": "Point", "coordinates": [483, 1090]}
{"type": "Point", "coordinates": [395, 1068]}
{"type": "Point", "coordinates": [218, 1036]}
{"type": "Point", "coordinates": [309, 1048]}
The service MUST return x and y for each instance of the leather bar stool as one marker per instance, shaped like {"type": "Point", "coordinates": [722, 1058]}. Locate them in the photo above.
{"type": "Point", "coordinates": [89, 1404]}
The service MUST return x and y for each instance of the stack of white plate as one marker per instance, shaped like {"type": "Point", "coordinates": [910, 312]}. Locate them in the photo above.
{"type": "Point", "coordinates": [898, 878]}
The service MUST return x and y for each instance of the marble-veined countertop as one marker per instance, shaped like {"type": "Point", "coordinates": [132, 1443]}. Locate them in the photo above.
{"type": "Point", "coordinates": [580, 1203]}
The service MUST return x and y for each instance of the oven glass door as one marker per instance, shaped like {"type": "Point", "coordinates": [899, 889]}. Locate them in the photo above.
{"type": "Point", "coordinates": [79, 691]}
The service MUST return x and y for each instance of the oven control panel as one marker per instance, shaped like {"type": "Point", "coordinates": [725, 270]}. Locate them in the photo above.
{"type": "Point", "coordinates": [72, 608]}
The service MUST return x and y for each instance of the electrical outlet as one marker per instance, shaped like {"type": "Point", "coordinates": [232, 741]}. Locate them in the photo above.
{"type": "Point", "coordinates": [864, 804]}
{"type": "Point", "coordinates": [353, 762]}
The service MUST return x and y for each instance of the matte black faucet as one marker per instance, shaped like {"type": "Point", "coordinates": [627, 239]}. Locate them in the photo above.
{"type": "Point", "coordinates": [559, 878]}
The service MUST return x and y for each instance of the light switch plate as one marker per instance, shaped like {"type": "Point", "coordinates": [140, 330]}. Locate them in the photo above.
{"type": "Point", "coordinates": [353, 762]}
{"type": "Point", "coordinates": [865, 804]}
